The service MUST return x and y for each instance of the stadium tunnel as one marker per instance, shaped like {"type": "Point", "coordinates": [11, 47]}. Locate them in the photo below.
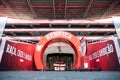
{"type": "Point", "coordinates": [59, 58]}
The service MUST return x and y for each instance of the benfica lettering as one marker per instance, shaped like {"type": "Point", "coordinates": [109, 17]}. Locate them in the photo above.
{"type": "Point", "coordinates": [58, 34]}
{"type": "Point", "coordinates": [102, 52]}
{"type": "Point", "coordinates": [13, 51]}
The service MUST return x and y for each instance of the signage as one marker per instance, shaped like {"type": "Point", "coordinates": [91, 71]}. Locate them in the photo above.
{"type": "Point", "coordinates": [13, 51]}
{"type": "Point", "coordinates": [58, 34]}
{"type": "Point", "coordinates": [108, 49]}
{"type": "Point", "coordinates": [59, 66]}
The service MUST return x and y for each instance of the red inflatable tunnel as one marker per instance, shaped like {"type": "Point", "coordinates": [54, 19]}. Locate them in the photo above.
{"type": "Point", "coordinates": [48, 39]}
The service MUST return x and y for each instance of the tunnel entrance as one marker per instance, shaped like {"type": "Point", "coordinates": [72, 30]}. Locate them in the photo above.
{"type": "Point", "coordinates": [51, 61]}
{"type": "Point", "coordinates": [59, 62]}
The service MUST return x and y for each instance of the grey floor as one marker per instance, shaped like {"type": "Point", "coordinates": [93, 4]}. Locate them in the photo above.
{"type": "Point", "coordinates": [57, 75]}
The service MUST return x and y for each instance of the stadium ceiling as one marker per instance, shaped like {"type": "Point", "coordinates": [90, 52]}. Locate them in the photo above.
{"type": "Point", "coordinates": [59, 9]}
{"type": "Point", "coordinates": [76, 16]}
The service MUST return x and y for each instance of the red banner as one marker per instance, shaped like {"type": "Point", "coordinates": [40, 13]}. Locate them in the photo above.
{"type": "Point", "coordinates": [103, 55]}
{"type": "Point", "coordinates": [17, 56]}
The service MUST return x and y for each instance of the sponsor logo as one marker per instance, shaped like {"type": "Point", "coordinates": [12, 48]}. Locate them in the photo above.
{"type": "Point", "coordinates": [13, 51]}
{"type": "Point", "coordinates": [108, 49]}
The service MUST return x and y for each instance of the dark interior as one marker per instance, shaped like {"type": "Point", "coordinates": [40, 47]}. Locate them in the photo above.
{"type": "Point", "coordinates": [59, 62]}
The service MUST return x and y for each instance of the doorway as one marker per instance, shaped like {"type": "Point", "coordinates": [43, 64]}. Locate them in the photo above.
{"type": "Point", "coordinates": [60, 62]}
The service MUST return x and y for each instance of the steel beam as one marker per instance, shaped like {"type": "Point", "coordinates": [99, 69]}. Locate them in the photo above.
{"type": "Point", "coordinates": [87, 9]}
{"type": "Point", "coordinates": [31, 8]}
{"type": "Point", "coordinates": [54, 11]}
{"type": "Point", "coordinates": [71, 7]}
{"type": "Point", "coordinates": [65, 9]}
{"type": "Point", "coordinates": [5, 4]}
{"type": "Point", "coordinates": [65, 21]}
{"type": "Point", "coordinates": [62, 7]}
{"type": "Point", "coordinates": [63, 29]}
{"type": "Point", "coordinates": [110, 8]}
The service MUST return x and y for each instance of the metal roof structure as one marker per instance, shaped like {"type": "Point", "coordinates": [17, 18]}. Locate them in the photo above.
{"type": "Point", "coordinates": [59, 9]}
{"type": "Point", "coordinates": [35, 18]}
